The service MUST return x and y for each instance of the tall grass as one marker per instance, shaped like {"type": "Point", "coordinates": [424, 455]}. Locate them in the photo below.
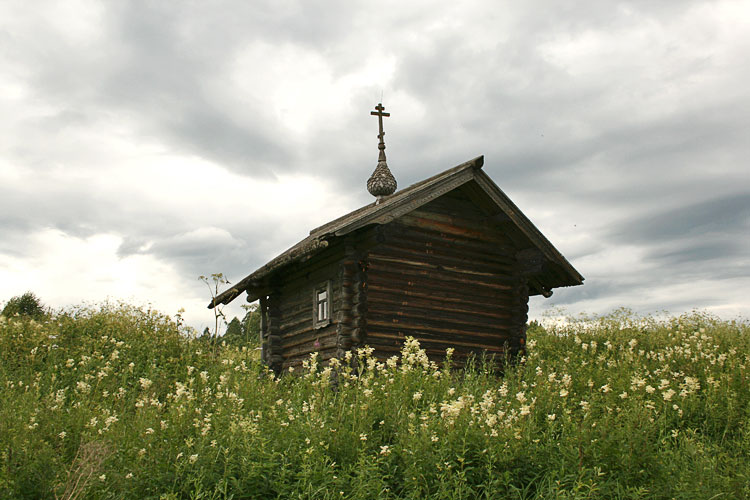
{"type": "Point", "coordinates": [115, 402]}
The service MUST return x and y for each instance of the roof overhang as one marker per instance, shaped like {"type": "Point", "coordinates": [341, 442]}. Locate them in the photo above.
{"type": "Point", "coordinates": [558, 271]}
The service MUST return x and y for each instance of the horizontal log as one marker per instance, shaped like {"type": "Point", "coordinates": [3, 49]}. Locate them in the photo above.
{"type": "Point", "coordinates": [459, 297]}
{"type": "Point", "coordinates": [292, 299]}
{"type": "Point", "coordinates": [430, 329]}
{"type": "Point", "coordinates": [443, 312]}
{"type": "Point", "coordinates": [426, 260]}
{"type": "Point", "coordinates": [477, 224]}
{"type": "Point", "coordinates": [455, 207]}
{"type": "Point", "coordinates": [431, 343]}
{"type": "Point", "coordinates": [460, 201]}
{"type": "Point", "coordinates": [302, 330]}
{"type": "Point", "coordinates": [458, 257]}
{"type": "Point", "coordinates": [296, 323]}
{"type": "Point", "coordinates": [466, 309]}
{"type": "Point", "coordinates": [303, 338]}
{"type": "Point", "coordinates": [410, 322]}
{"type": "Point", "coordinates": [407, 277]}
{"type": "Point", "coordinates": [422, 259]}
{"type": "Point", "coordinates": [414, 269]}
{"type": "Point", "coordinates": [448, 229]}
{"type": "Point", "coordinates": [399, 232]}
{"type": "Point", "coordinates": [304, 350]}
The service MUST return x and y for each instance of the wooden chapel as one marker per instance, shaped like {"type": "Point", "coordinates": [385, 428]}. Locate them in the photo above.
{"type": "Point", "coordinates": [449, 260]}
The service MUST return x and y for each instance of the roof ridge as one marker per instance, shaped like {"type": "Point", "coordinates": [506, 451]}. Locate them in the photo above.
{"type": "Point", "coordinates": [387, 201]}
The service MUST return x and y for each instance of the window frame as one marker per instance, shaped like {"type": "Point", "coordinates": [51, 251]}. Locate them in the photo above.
{"type": "Point", "coordinates": [324, 286]}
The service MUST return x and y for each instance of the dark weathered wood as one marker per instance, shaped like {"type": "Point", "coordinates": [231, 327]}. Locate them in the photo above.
{"type": "Point", "coordinates": [449, 245]}
{"type": "Point", "coordinates": [445, 278]}
{"type": "Point", "coordinates": [422, 328]}
{"type": "Point", "coordinates": [304, 350]}
{"type": "Point", "coordinates": [273, 341]}
{"type": "Point", "coordinates": [359, 304]}
{"type": "Point", "coordinates": [410, 276]}
{"type": "Point", "coordinates": [346, 313]}
{"type": "Point", "coordinates": [264, 329]}
{"type": "Point", "coordinates": [449, 257]}
{"type": "Point", "coordinates": [485, 301]}
{"type": "Point", "coordinates": [530, 261]}
{"type": "Point", "coordinates": [393, 300]}
{"type": "Point", "coordinates": [437, 345]}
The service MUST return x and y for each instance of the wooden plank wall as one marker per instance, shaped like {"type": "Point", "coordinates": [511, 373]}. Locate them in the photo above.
{"type": "Point", "coordinates": [447, 277]}
{"type": "Point", "coordinates": [290, 335]}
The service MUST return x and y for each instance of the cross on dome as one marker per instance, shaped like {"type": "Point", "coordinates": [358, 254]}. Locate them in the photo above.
{"type": "Point", "coordinates": [381, 183]}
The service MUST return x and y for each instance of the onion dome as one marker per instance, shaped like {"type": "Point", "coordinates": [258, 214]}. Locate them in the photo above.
{"type": "Point", "coordinates": [381, 183]}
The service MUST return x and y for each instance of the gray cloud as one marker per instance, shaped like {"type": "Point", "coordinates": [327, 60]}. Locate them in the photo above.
{"type": "Point", "coordinates": [640, 144]}
{"type": "Point", "coordinates": [703, 220]}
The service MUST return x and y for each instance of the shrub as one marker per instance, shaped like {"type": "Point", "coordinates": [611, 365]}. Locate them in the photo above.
{"type": "Point", "coordinates": [27, 305]}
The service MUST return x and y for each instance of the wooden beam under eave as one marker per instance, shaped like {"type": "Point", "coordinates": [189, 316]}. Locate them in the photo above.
{"type": "Point", "coordinates": [256, 293]}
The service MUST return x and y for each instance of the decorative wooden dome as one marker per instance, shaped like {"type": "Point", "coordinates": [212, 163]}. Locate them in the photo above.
{"type": "Point", "coordinates": [381, 183]}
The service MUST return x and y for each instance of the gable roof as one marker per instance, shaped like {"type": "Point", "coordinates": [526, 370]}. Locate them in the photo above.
{"type": "Point", "coordinates": [403, 202]}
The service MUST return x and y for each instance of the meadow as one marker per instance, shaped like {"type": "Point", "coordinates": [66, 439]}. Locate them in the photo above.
{"type": "Point", "coordinates": [115, 401]}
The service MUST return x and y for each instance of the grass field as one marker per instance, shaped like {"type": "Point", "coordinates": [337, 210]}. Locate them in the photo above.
{"type": "Point", "coordinates": [115, 402]}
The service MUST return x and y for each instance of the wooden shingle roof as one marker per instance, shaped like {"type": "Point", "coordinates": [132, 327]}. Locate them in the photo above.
{"type": "Point", "coordinates": [559, 272]}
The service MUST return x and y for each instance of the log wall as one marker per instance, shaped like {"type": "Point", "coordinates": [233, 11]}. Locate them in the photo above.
{"type": "Point", "coordinates": [447, 277]}
{"type": "Point", "coordinates": [288, 327]}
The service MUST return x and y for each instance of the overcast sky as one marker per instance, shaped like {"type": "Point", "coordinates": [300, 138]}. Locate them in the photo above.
{"type": "Point", "coordinates": [143, 144]}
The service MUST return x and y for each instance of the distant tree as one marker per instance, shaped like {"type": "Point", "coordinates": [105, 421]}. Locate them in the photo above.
{"type": "Point", "coordinates": [535, 328]}
{"type": "Point", "coordinates": [27, 305]}
{"type": "Point", "coordinates": [234, 333]}
{"type": "Point", "coordinates": [244, 332]}
{"type": "Point", "coordinates": [251, 323]}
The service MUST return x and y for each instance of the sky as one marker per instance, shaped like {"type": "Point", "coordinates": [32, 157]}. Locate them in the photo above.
{"type": "Point", "coordinates": [146, 143]}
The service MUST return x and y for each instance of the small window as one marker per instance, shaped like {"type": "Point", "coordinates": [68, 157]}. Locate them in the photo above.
{"type": "Point", "coordinates": [322, 305]}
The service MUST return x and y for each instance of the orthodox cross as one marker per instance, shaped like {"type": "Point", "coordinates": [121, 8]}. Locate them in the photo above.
{"type": "Point", "coordinates": [381, 183]}
{"type": "Point", "coordinates": [379, 113]}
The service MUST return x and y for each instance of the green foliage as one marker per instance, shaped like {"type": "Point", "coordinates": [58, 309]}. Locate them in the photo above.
{"type": "Point", "coordinates": [234, 330]}
{"type": "Point", "coordinates": [27, 305]}
{"type": "Point", "coordinates": [116, 402]}
{"type": "Point", "coordinates": [245, 332]}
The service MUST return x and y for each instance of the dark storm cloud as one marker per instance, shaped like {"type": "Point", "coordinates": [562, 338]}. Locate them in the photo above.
{"type": "Point", "coordinates": [701, 221]}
